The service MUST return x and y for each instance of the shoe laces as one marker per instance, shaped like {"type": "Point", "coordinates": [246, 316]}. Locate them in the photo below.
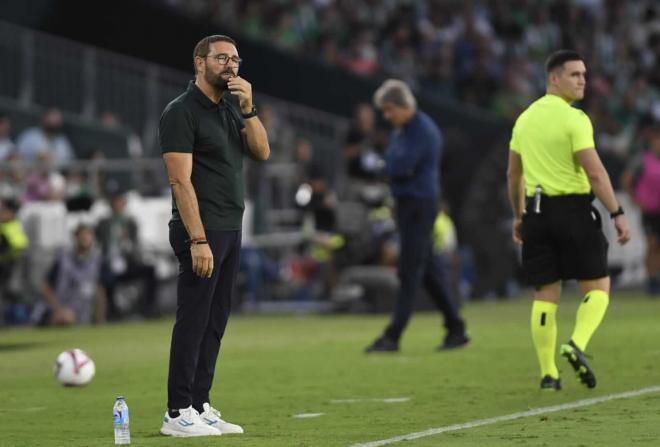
{"type": "Point", "coordinates": [214, 412]}
{"type": "Point", "coordinates": [190, 414]}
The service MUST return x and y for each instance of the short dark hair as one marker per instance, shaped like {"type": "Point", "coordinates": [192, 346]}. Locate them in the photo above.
{"type": "Point", "coordinates": [202, 47]}
{"type": "Point", "coordinates": [559, 58]}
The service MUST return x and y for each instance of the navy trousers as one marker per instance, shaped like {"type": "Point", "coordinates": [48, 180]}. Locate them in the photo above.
{"type": "Point", "coordinates": [203, 307]}
{"type": "Point", "coordinates": [418, 265]}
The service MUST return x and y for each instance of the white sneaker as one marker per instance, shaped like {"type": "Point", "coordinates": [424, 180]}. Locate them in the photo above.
{"type": "Point", "coordinates": [212, 417]}
{"type": "Point", "coordinates": [187, 424]}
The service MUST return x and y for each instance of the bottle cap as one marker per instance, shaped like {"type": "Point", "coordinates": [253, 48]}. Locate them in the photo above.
{"type": "Point", "coordinates": [120, 397]}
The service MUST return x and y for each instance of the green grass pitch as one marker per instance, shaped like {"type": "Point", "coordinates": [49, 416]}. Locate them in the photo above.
{"type": "Point", "coordinates": [274, 367]}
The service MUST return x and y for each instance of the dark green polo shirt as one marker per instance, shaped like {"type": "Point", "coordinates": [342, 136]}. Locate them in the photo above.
{"type": "Point", "coordinates": [194, 124]}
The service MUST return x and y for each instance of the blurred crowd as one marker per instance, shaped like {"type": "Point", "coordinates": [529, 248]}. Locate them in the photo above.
{"type": "Point", "coordinates": [41, 163]}
{"type": "Point", "coordinates": [40, 168]}
{"type": "Point", "coordinates": [75, 282]}
{"type": "Point", "coordinates": [489, 53]}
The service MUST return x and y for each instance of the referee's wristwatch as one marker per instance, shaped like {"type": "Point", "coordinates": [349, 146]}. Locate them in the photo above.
{"type": "Point", "coordinates": [251, 113]}
{"type": "Point", "coordinates": [618, 212]}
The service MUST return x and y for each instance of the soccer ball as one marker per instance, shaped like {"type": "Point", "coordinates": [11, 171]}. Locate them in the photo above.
{"type": "Point", "coordinates": [74, 368]}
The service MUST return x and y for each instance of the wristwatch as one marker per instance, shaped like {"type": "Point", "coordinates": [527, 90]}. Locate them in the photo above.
{"type": "Point", "coordinates": [250, 114]}
{"type": "Point", "coordinates": [618, 212]}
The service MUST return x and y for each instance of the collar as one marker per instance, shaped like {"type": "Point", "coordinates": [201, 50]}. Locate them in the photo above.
{"type": "Point", "coordinates": [414, 118]}
{"type": "Point", "coordinates": [556, 98]}
{"type": "Point", "coordinates": [201, 97]}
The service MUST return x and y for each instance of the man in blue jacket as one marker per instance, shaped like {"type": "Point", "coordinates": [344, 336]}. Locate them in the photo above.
{"type": "Point", "coordinates": [413, 167]}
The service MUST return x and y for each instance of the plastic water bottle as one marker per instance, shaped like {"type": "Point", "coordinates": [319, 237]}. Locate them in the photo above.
{"type": "Point", "coordinates": [120, 417]}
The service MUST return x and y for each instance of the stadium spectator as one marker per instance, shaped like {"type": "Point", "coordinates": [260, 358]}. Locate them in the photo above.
{"type": "Point", "coordinates": [445, 245]}
{"type": "Point", "coordinates": [44, 182]}
{"type": "Point", "coordinates": [13, 240]}
{"type": "Point", "coordinates": [73, 291]}
{"type": "Point", "coordinates": [6, 143]}
{"type": "Point", "coordinates": [314, 194]}
{"type": "Point", "coordinates": [48, 139]}
{"type": "Point", "coordinates": [381, 233]}
{"type": "Point", "coordinates": [79, 192]}
{"type": "Point", "coordinates": [642, 181]}
{"type": "Point", "coordinates": [413, 166]}
{"type": "Point", "coordinates": [118, 237]}
{"type": "Point", "coordinates": [362, 55]}
{"type": "Point", "coordinates": [363, 145]}
{"type": "Point", "coordinates": [113, 121]}
{"type": "Point", "coordinates": [314, 270]}
{"type": "Point", "coordinates": [13, 243]}
{"type": "Point", "coordinates": [12, 176]}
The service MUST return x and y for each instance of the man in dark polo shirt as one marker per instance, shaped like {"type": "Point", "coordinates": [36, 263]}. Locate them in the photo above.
{"type": "Point", "coordinates": [204, 134]}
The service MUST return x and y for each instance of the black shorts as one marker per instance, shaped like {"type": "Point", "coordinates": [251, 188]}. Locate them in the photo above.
{"type": "Point", "coordinates": [651, 224]}
{"type": "Point", "coordinates": [564, 241]}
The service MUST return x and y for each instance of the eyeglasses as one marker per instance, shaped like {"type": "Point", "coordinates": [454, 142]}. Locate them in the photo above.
{"type": "Point", "coordinates": [225, 58]}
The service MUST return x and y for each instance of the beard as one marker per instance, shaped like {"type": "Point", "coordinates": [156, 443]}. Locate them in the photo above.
{"type": "Point", "coordinates": [216, 80]}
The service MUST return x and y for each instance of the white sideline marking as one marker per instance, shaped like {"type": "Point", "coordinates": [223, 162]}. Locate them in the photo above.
{"type": "Point", "coordinates": [395, 400]}
{"type": "Point", "coordinates": [510, 417]}
{"type": "Point", "coordinates": [26, 409]}
{"type": "Point", "coordinates": [307, 415]}
{"type": "Point", "coordinates": [387, 400]}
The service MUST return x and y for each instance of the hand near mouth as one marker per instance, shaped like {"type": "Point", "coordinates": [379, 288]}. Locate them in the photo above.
{"type": "Point", "coordinates": [243, 89]}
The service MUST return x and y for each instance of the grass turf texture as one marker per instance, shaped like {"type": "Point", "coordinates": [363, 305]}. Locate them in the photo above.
{"type": "Point", "coordinates": [272, 368]}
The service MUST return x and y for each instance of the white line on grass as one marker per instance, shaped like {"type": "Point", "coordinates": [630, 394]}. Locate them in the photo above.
{"type": "Point", "coordinates": [307, 415]}
{"type": "Point", "coordinates": [387, 400]}
{"type": "Point", "coordinates": [26, 409]}
{"type": "Point", "coordinates": [510, 417]}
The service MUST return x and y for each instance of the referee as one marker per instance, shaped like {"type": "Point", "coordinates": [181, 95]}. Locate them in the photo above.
{"type": "Point", "coordinates": [553, 173]}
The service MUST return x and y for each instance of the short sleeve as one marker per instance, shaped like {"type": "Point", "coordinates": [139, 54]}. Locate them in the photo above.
{"type": "Point", "coordinates": [513, 144]}
{"type": "Point", "coordinates": [237, 115]}
{"type": "Point", "coordinates": [581, 132]}
{"type": "Point", "coordinates": [176, 132]}
{"type": "Point", "coordinates": [240, 121]}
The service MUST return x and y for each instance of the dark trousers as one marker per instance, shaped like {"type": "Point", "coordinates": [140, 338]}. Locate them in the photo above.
{"type": "Point", "coordinates": [203, 307]}
{"type": "Point", "coordinates": [418, 265]}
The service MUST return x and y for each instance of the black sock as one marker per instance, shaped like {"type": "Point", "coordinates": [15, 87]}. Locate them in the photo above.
{"type": "Point", "coordinates": [200, 408]}
{"type": "Point", "coordinates": [173, 413]}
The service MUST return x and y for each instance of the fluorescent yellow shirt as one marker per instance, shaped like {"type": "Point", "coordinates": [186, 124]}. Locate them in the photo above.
{"type": "Point", "coordinates": [547, 135]}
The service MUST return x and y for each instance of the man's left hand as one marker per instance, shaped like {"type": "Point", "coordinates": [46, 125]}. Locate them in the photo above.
{"type": "Point", "coordinates": [243, 89]}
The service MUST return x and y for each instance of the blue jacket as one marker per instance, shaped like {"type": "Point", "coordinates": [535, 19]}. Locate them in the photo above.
{"type": "Point", "coordinates": [413, 158]}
